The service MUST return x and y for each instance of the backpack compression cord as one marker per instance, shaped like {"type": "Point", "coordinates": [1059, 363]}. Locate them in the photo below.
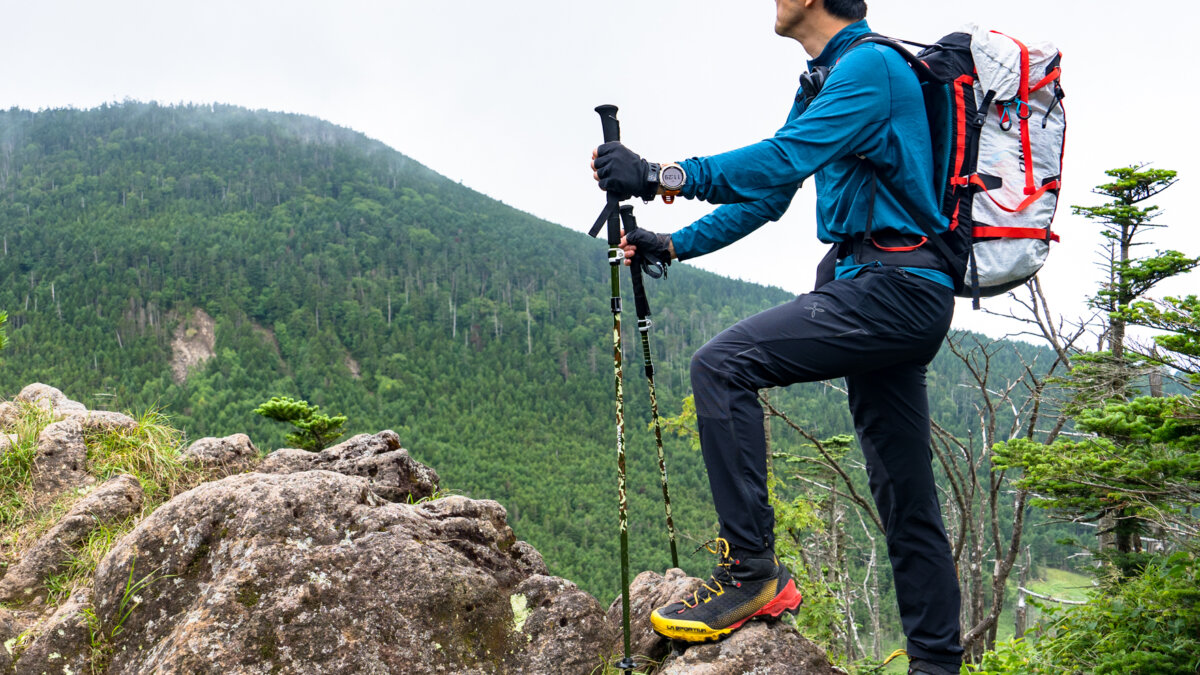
{"type": "Point", "coordinates": [612, 132]}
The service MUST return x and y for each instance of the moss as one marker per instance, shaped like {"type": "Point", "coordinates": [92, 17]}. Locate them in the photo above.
{"type": "Point", "coordinates": [269, 647]}
{"type": "Point", "coordinates": [247, 596]}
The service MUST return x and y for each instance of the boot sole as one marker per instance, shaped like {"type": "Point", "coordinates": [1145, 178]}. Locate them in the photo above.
{"type": "Point", "coordinates": [788, 600]}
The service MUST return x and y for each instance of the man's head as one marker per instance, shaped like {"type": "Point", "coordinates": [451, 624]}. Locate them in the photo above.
{"type": "Point", "coordinates": [813, 22]}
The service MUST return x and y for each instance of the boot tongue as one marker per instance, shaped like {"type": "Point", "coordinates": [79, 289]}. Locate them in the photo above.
{"type": "Point", "coordinates": [752, 565]}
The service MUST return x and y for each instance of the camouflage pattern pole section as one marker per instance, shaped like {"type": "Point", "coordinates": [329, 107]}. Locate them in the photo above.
{"type": "Point", "coordinates": [616, 256]}
{"type": "Point", "coordinates": [642, 306]}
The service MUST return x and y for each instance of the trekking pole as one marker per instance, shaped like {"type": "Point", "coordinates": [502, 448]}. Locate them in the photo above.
{"type": "Point", "coordinates": [616, 255]}
{"type": "Point", "coordinates": [642, 306]}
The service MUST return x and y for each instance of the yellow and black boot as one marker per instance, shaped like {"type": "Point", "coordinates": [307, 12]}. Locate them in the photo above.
{"type": "Point", "coordinates": [741, 588]}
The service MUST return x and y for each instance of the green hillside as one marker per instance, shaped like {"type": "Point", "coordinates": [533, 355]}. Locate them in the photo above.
{"type": "Point", "coordinates": [337, 270]}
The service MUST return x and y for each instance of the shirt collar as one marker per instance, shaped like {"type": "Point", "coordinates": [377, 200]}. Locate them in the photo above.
{"type": "Point", "coordinates": [839, 43]}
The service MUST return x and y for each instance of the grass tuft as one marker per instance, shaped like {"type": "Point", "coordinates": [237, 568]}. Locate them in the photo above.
{"type": "Point", "coordinates": [151, 452]}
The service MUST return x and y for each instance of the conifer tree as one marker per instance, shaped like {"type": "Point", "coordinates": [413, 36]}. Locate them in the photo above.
{"type": "Point", "coordinates": [315, 431]}
{"type": "Point", "coordinates": [1108, 374]}
{"type": "Point", "coordinates": [1136, 466]}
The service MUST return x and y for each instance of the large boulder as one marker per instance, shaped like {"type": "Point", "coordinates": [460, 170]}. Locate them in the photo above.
{"type": "Point", "coordinates": [394, 475]}
{"type": "Point", "coordinates": [309, 572]}
{"type": "Point", "coordinates": [117, 499]}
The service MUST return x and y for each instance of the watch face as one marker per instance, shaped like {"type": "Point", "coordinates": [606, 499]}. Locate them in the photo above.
{"type": "Point", "coordinates": [672, 177]}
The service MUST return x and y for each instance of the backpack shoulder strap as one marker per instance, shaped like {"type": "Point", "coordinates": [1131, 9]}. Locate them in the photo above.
{"type": "Point", "coordinates": [924, 74]}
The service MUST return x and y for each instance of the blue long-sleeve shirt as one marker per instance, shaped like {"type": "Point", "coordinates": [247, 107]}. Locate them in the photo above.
{"type": "Point", "coordinates": [870, 108]}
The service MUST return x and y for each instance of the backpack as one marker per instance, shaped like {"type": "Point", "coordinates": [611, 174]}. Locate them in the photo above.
{"type": "Point", "coordinates": [998, 128]}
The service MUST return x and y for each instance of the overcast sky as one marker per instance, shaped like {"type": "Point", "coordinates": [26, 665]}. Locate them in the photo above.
{"type": "Point", "coordinates": [499, 95]}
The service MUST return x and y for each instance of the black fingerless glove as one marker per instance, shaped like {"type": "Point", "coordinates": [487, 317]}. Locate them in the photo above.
{"type": "Point", "coordinates": [623, 173]}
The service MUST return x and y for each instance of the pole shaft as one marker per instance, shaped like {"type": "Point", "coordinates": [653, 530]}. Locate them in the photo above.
{"type": "Point", "coordinates": [623, 510]}
{"type": "Point", "coordinates": [662, 459]}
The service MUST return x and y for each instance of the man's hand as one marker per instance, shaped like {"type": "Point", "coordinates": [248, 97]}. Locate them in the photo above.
{"type": "Point", "coordinates": [656, 248]}
{"type": "Point", "coordinates": [622, 172]}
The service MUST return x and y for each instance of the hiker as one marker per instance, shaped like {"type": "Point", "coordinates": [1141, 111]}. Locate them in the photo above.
{"type": "Point", "coordinates": [880, 311]}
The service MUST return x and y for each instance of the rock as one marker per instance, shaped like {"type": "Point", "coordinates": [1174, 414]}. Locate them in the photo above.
{"type": "Point", "coordinates": [649, 591]}
{"type": "Point", "coordinates": [62, 408]}
{"type": "Point", "coordinates": [64, 643]}
{"type": "Point", "coordinates": [116, 499]}
{"type": "Point", "coordinates": [224, 456]}
{"type": "Point", "coordinates": [103, 420]}
{"type": "Point", "coordinates": [565, 628]}
{"type": "Point", "coordinates": [7, 441]}
{"type": "Point", "coordinates": [309, 572]}
{"type": "Point", "coordinates": [758, 647]}
{"type": "Point", "coordinates": [394, 475]}
{"type": "Point", "coordinates": [61, 461]}
{"type": "Point", "coordinates": [9, 414]}
{"type": "Point", "coordinates": [49, 399]}
{"type": "Point", "coordinates": [11, 627]}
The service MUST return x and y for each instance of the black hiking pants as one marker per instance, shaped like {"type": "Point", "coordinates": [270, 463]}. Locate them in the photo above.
{"type": "Point", "coordinates": [879, 331]}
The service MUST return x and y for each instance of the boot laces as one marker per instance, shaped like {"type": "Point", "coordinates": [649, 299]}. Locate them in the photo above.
{"type": "Point", "coordinates": [720, 577]}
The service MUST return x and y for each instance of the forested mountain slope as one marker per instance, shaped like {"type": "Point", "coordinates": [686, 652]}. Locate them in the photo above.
{"type": "Point", "coordinates": [338, 270]}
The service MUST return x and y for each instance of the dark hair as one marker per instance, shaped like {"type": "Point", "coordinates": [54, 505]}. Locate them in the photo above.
{"type": "Point", "coordinates": [847, 9]}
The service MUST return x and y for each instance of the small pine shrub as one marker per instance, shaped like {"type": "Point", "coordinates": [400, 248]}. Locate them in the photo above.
{"type": "Point", "coordinates": [314, 431]}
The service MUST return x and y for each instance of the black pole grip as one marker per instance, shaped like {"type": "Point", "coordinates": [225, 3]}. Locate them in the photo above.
{"type": "Point", "coordinates": [640, 303]}
{"type": "Point", "coordinates": [627, 220]}
{"type": "Point", "coordinates": [612, 132]}
{"type": "Point", "coordinates": [608, 121]}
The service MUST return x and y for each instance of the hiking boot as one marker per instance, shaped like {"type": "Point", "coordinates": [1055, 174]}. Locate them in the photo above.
{"type": "Point", "coordinates": [740, 588]}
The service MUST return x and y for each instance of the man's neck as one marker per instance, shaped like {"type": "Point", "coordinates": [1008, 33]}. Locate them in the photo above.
{"type": "Point", "coordinates": [816, 32]}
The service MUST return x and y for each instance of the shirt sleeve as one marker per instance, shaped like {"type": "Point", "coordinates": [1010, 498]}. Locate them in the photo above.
{"type": "Point", "coordinates": [849, 111]}
{"type": "Point", "coordinates": [728, 223]}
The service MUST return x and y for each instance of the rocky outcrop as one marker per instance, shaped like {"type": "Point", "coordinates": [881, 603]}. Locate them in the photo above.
{"type": "Point", "coordinates": [347, 560]}
{"type": "Point", "coordinates": [223, 456]}
{"type": "Point", "coordinates": [116, 499]}
{"type": "Point", "coordinates": [392, 473]}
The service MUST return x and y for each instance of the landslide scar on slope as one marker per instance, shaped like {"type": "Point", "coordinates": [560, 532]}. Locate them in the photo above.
{"type": "Point", "coordinates": [192, 345]}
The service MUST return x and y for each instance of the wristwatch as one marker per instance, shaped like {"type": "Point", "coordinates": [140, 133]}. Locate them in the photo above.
{"type": "Point", "coordinates": [669, 178]}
